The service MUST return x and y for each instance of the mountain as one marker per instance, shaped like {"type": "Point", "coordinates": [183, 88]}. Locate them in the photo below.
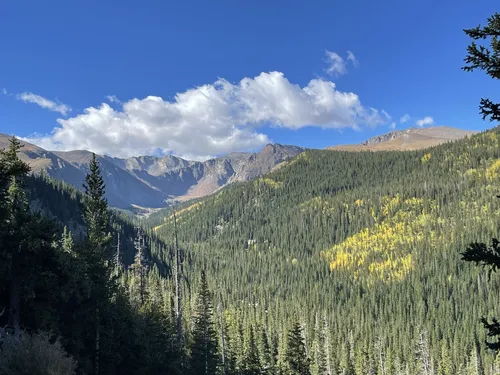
{"type": "Point", "coordinates": [408, 139]}
{"type": "Point", "coordinates": [148, 181]}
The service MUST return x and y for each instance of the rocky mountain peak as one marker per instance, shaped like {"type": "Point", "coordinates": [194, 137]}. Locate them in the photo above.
{"type": "Point", "coordinates": [149, 181]}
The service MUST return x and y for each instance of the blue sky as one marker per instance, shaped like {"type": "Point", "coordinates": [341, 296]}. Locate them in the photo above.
{"type": "Point", "coordinates": [134, 77]}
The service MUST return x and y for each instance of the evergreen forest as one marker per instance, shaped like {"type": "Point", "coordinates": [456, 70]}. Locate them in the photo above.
{"type": "Point", "coordinates": [338, 263]}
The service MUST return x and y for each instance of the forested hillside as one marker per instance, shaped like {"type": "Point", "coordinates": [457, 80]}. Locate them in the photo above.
{"type": "Point", "coordinates": [365, 244]}
{"type": "Point", "coordinates": [72, 281]}
{"type": "Point", "coordinates": [335, 263]}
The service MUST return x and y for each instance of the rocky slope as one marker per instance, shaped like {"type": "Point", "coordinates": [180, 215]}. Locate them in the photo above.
{"type": "Point", "coordinates": [408, 139]}
{"type": "Point", "coordinates": [148, 181]}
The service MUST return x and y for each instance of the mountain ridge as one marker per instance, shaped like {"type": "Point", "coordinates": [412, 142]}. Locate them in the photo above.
{"type": "Point", "coordinates": [150, 181]}
{"type": "Point", "coordinates": [408, 139]}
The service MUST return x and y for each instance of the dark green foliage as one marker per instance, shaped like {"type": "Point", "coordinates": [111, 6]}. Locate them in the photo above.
{"type": "Point", "coordinates": [252, 361]}
{"type": "Point", "coordinates": [266, 355]}
{"type": "Point", "coordinates": [264, 249]}
{"type": "Point", "coordinates": [24, 239]}
{"type": "Point", "coordinates": [487, 59]}
{"type": "Point", "coordinates": [96, 207]}
{"type": "Point", "coordinates": [53, 280]}
{"type": "Point", "coordinates": [297, 362]}
{"type": "Point", "coordinates": [204, 355]}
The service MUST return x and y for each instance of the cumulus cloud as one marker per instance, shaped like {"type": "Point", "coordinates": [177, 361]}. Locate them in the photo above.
{"type": "Point", "coordinates": [405, 118]}
{"type": "Point", "coordinates": [29, 97]}
{"type": "Point", "coordinates": [212, 119]}
{"type": "Point", "coordinates": [425, 121]}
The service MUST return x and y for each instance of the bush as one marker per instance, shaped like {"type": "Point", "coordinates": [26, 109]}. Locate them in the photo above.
{"type": "Point", "coordinates": [35, 354]}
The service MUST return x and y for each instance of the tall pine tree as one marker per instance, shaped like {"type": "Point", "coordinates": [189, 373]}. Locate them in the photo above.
{"type": "Point", "coordinates": [97, 249]}
{"type": "Point", "coordinates": [204, 354]}
{"type": "Point", "coordinates": [297, 362]}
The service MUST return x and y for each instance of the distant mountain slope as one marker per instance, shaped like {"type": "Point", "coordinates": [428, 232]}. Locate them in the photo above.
{"type": "Point", "coordinates": [148, 181]}
{"type": "Point", "coordinates": [409, 139]}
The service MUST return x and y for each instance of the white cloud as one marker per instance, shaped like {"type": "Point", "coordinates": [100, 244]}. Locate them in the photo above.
{"type": "Point", "coordinates": [29, 97]}
{"type": "Point", "coordinates": [212, 119]}
{"type": "Point", "coordinates": [113, 99]}
{"type": "Point", "coordinates": [425, 121]}
{"type": "Point", "coordinates": [4, 91]}
{"type": "Point", "coordinates": [352, 58]}
{"type": "Point", "coordinates": [392, 126]}
{"type": "Point", "coordinates": [336, 64]}
{"type": "Point", "coordinates": [405, 118]}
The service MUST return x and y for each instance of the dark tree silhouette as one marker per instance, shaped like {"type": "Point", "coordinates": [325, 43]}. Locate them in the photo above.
{"type": "Point", "coordinates": [486, 59]}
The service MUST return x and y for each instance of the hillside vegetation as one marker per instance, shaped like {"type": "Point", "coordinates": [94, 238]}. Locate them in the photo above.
{"type": "Point", "coordinates": [368, 241]}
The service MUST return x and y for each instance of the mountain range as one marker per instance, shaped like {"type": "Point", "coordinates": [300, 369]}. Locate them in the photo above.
{"type": "Point", "coordinates": [150, 182]}
{"type": "Point", "coordinates": [153, 182]}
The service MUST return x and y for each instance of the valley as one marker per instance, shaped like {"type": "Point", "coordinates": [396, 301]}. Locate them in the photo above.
{"type": "Point", "coordinates": [260, 251]}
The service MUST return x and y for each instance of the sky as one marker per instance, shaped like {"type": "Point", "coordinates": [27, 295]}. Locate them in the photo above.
{"type": "Point", "coordinates": [199, 79]}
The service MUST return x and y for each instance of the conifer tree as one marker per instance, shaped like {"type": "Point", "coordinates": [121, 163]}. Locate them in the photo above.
{"type": "Point", "coordinates": [318, 365]}
{"type": "Point", "coordinates": [424, 360]}
{"type": "Point", "coordinates": [23, 236]}
{"type": "Point", "coordinates": [297, 362]}
{"type": "Point", "coordinates": [97, 249]}
{"type": "Point", "coordinates": [139, 268]}
{"type": "Point", "coordinates": [67, 243]}
{"type": "Point", "coordinates": [445, 364]}
{"type": "Point", "coordinates": [252, 362]}
{"type": "Point", "coordinates": [16, 211]}
{"type": "Point", "coordinates": [487, 59]}
{"type": "Point", "coordinates": [266, 355]}
{"type": "Point", "coordinates": [204, 356]}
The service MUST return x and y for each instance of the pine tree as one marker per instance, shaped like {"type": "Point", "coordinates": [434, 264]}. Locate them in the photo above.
{"type": "Point", "coordinates": [96, 211]}
{"type": "Point", "coordinates": [475, 366]}
{"type": "Point", "coordinates": [18, 230]}
{"type": "Point", "coordinates": [445, 366]}
{"type": "Point", "coordinates": [66, 242]}
{"type": "Point", "coordinates": [318, 366]}
{"type": "Point", "coordinates": [251, 357]}
{"type": "Point", "coordinates": [266, 355]}
{"type": "Point", "coordinates": [225, 365]}
{"type": "Point", "coordinates": [346, 364]}
{"type": "Point", "coordinates": [204, 356]}
{"type": "Point", "coordinates": [297, 362]}
{"type": "Point", "coordinates": [139, 268]}
{"type": "Point", "coordinates": [424, 360]}
{"type": "Point", "coordinates": [482, 58]}
{"type": "Point", "coordinates": [97, 249]}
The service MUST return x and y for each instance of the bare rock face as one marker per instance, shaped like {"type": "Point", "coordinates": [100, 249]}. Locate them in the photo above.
{"type": "Point", "coordinates": [385, 137]}
{"type": "Point", "coordinates": [408, 139]}
{"type": "Point", "coordinates": [148, 181]}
